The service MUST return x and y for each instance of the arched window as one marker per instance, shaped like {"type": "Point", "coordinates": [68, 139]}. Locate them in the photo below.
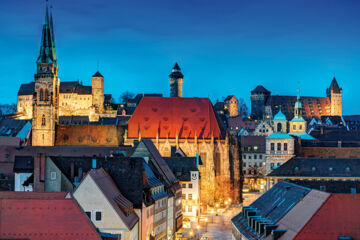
{"type": "Point", "coordinates": [41, 94]}
{"type": "Point", "coordinates": [46, 95]}
{"type": "Point", "coordinates": [43, 120]}
{"type": "Point", "coordinates": [279, 127]}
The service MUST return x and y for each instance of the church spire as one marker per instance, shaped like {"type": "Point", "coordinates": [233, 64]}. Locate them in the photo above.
{"type": "Point", "coordinates": [47, 47]}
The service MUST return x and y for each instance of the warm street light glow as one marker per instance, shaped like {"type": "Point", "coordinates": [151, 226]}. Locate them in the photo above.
{"type": "Point", "coordinates": [212, 211]}
{"type": "Point", "coordinates": [206, 219]}
{"type": "Point", "coordinates": [198, 227]}
{"type": "Point", "coordinates": [217, 205]}
{"type": "Point", "coordinates": [226, 202]}
{"type": "Point", "coordinates": [229, 200]}
{"type": "Point", "coordinates": [191, 233]}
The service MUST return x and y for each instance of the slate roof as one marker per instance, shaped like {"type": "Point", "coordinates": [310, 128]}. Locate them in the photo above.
{"type": "Point", "coordinates": [318, 167]}
{"type": "Point", "coordinates": [43, 216]}
{"type": "Point", "coordinates": [270, 207]}
{"type": "Point", "coordinates": [330, 186]}
{"type": "Point", "coordinates": [260, 89]}
{"type": "Point", "coordinates": [181, 166]}
{"type": "Point", "coordinates": [228, 98]}
{"type": "Point", "coordinates": [335, 86]}
{"type": "Point", "coordinates": [122, 206]}
{"type": "Point", "coordinates": [170, 116]}
{"type": "Point", "coordinates": [352, 121]}
{"type": "Point", "coordinates": [65, 87]}
{"type": "Point", "coordinates": [126, 172]}
{"type": "Point", "coordinates": [161, 164]}
{"type": "Point", "coordinates": [336, 217]}
{"type": "Point", "coordinates": [26, 89]}
{"type": "Point", "coordinates": [97, 74]}
{"type": "Point", "coordinates": [24, 164]}
{"type": "Point", "coordinates": [136, 100]}
{"type": "Point", "coordinates": [12, 127]}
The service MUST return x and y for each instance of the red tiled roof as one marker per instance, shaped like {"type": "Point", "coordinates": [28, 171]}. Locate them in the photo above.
{"type": "Point", "coordinates": [43, 216]}
{"type": "Point", "coordinates": [115, 198]}
{"type": "Point", "coordinates": [338, 216]}
{"type": "Point", "coordinates": [312, 106]}
{"type": "Point", "coordinates": [171, 116]}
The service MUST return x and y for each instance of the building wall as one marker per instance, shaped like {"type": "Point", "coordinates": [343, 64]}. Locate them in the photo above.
{"type": "Point", "coordinates": [25, 106]}
{"type": "Point", "coordinates": [74, 104]}
{"type": "Point", "coordinates": [263, 129]}
{"type": "Point", "coordinates": [147, 221]}
{"type": "Point", "coordinates": [98, 93]}
{"type": "Point", "coordinates": [336, 103]}
{"type": "Point", "coordinates": [170, 218]}
{"type": "Point", "coordinates": [191, 188]}
{"type": "Point", "coordinates": [278, 157]}
{"type": "Point", "coordinates": [58, 184]}
{"type": "Point", "coordinates": [91, 199]}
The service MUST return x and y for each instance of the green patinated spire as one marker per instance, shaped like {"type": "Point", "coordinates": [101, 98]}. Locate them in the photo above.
{"type": "Point", "coordinates": [47, 47]}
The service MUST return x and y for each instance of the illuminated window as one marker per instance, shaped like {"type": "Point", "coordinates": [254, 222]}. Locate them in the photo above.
{"type": "Point", "coordinates": [41, 94]}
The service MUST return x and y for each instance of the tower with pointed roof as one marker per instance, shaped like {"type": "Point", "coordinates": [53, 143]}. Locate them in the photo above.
{"type": "Point", "coordinates": [46, 92]}
{"type": "Point", "coordinates": [280, 122]}
{"type": "Point", "coordinates": [334, 93]}
{"type": "Point", "coordinates": [98, 91]}
{"type": "Point", "coordinates": [298, 124]}
{"type": "Point", "coordinates": [176, 80]}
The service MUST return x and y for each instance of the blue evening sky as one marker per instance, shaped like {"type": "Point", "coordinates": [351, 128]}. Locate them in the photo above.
{"type": "Point", "coordinates": [223, 47]}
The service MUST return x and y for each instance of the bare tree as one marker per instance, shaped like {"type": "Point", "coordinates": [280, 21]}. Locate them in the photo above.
{"type": "Point", "coordinates": [125, 96]}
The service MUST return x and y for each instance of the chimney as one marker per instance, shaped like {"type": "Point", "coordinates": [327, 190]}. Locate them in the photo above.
{"type": "Point", "coordinates": [38, 182]}
{"type": "Point", "coordinates": [339, 144]}
{"type": "Point", "coordinates": [269, 229]}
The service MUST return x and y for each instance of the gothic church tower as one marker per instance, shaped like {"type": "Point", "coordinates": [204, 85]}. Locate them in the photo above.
{"type": "Point", "coordinates": [176, 80]}
{"type": "Point", "coordinates": [46, 94]}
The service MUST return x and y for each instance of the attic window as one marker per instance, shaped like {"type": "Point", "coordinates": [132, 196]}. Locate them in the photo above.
{"type": "Point", "coordinates": [313, 169]}
{"type": "Point", "coordinates": [347, 169]}
{"type": "Point", "coordinates": [296, 168]}
{"type": "Point", "coordinates": [330, 168]}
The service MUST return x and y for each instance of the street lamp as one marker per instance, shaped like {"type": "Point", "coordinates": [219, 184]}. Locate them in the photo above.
{"type": "Point", "coordinates": [206, 224]}
{"type": "Point", "coordinates": [191, 234]}
{"type": "Point", "coordinates": [212, 215]}
{"type": "Point", "coordinates": [198, 231]}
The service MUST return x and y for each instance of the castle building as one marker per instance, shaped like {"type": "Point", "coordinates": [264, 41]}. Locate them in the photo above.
{"type": "Point", "coordinates": [176, 80]}
{"type": "Point", "coordinates": [67, 98]}
{"type": "Point", "coordinates": [265, 105]}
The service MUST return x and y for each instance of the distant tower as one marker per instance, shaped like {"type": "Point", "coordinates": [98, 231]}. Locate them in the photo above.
{"type": "Point", "coordinates": [46, 95]}
{"type": "Point", "coordinates": [176, 80]}
{"type": "Point", "coordinates": [232, 105]}
{"type": "Point", "coordinates": [98, 91]}
{"type": "Point", "coordinates": [298, 124]}
{"type": "Point", "coordinates": [334, 93]}
{"type": "Point", "coordinates": [259, 98]}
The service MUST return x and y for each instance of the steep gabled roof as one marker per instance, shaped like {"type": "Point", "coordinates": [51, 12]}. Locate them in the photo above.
{"type": "Point", "coordinates": [168, 117]}
{"type": "Point", "coordinates": [35, 216]}
{"type": "Point", "coordinates": [338, 216]}
{"type": "Point", "coordinates": [26, 89]}
{"type": "Point", "coordinates": [122, 206]}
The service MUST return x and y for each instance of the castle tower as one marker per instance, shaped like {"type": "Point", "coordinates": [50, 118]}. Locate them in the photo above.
{"type": "Point", "coordinates": [298, 124]}
{"type": "Point", "coordinates": [334, 93]}
{"type": "Point", "coordinates": [259, 97]}
{"type": "Point", "coordinates": [176, 80]}
{"type": "Point", "coordinates": [45, 109]}
{"type": "Point", "coordinates": [98, 91]}
{"type": "Point", "coordinates": [232, 105]}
